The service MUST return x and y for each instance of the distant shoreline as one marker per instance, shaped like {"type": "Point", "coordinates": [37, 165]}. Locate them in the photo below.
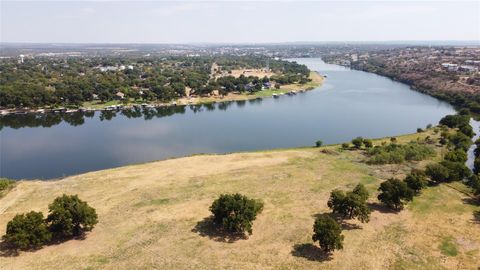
{"type": "Point", "coordinates": [317, 81]}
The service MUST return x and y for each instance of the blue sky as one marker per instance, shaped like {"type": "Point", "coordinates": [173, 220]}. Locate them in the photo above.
{"type": "Point", "coordinates": [108, 21]}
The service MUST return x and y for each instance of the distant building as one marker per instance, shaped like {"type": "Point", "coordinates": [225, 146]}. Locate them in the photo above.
{"type": "Point", "coordinates": [108, 68]}
{"type": "Point", "coordinates": [120, 95]}
{"type": "Point", "coordinates": [468, 68]}
{"type": "Point", "coordinates": [450, 66]}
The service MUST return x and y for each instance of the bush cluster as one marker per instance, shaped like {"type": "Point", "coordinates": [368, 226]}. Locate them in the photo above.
{"type": "Point", "coordinates": [397, 153]}
{"type": "Point", "coordinates": [68, 216]}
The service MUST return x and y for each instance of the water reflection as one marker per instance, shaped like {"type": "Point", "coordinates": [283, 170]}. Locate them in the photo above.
{"type": "Point", "coordinates": [31, 120]}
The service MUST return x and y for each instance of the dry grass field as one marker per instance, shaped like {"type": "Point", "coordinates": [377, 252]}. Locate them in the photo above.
{"type": "Point", "coordinates": [152, 216]}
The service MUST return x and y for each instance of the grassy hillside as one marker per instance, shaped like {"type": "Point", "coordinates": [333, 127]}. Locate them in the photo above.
{"type": "Point", "coordinates": [152, 215]}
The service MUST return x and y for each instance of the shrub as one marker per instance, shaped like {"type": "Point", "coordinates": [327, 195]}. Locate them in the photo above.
{"type": "Point", "coordinates": [396, 153]}
{"type": "Point", "coordinates": [429, 126]}
{"type": "Point", "coordinates": [27, 231]}
{"type": "Point", "coordinates": [476, 165]}
{"type": "Point", "coordinates": [460, 141]}
{"type": "Point", "coordinates": [395, 193]}
{"type": "Point", "coordinates": [328, 233]}
{"type": "Point", "coordinates": [419, 130]}
{"type": "Point", "coordinates": [393, 139]}
{"type": "Point", "coordinates": [457, 171]}
{"type": "Point", "coordinates": [235, 212]}
{"type": "Point", "coordinates": [453, 121]}
{"type": "Point", "coordinates": [70, 216]}
{"type": "Point", "coordinates": [467, 130]}
{"type": "Point", "coordinates": [357, 142]}
{"type": "Point", "coordinates": [5, 184]}
{"type": "Point", "coordinates": [416, 180]}
{"type": "Point", "coordinates": [345, 145]}
{"type": "Point", "coordinates": [456, 156]}
{"type": "Point", "coordinates": [443, 141]}
{"type": "Point", "coordinates": [437, 172]}
{"type": "Point", "coordinates": [352, 204]}
{"type": "Point", "coordinates": [368, 143]}
{"type": "Point", "coordinates": [474, 183]}
{"type": "Point", "coordinates": [417, 152]}
{"type": "Point", "coordinates": [318, 143]}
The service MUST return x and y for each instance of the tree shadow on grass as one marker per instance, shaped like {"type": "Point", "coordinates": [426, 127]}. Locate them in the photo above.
{"type": "Point", "coordinates": [7, 251]}
{"type": "Point", "coordinates": [207, 228]}
{"type": "Point", "coordinates": [471, 201]}
{"type": "Point", "coordinates": [343, 223]}
{"type": "Point", "coordinates": [382, 208]}
{"type": "Point", "coordinates": [476, 217]}
{"type": "Point", "coordinates": [310, 252]}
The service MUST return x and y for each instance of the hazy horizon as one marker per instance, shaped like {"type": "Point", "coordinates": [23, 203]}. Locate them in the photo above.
{"type": "Point", "coordinates": [237, 22]}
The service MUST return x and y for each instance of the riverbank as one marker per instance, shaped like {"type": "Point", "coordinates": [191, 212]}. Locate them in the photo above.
{"type": "Point", "coordinates": [293, 89]}
{"type": "Point", "coordinates": [317, 81]}
{"type": "Point", "coordinates": [151, 215]}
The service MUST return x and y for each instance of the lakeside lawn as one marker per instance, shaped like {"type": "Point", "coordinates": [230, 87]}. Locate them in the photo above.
{"type": "Point", "coordinates": [317, 81]}
{"type": "Point", "coordinates": [153, 215]}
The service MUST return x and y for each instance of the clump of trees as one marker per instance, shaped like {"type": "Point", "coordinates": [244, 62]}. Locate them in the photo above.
{"type": "Point", "coordinates": [416, 181]}
{"type": "Point", "coordinates": [41, 82]}
{"type": "Point", "coordinates": [328, 233]}
{"type": "Point", "coordinates": [351, 204]}
{"type": "Point", "coordinates": [68, 217]}
{"type": "Point", "coordinates": [395, 193]}
{"type": "Point", "coordinates": [235, 212]}
{"type": "Point", "coordinates": [358, 142]}
{"type": "Point", "coordinates": [318, 143]}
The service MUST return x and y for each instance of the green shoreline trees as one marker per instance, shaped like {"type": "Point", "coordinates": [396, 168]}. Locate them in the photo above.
{"type": "Point", "coordinates": [42, 81]}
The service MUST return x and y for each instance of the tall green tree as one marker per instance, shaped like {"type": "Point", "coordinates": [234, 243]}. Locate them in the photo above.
{"type": "Point", "coordinates": [26, 231]}
{"type": "Point", "coordinates": [328, 233]}
{"type": "Point", "coordinates": [235, 212]}
{"type": "Point", "coordinates": [395, 193]}
{"type": "Point", "coordinates": [352, 204]}
{"type": "Point", "coordinates": [70, 216]}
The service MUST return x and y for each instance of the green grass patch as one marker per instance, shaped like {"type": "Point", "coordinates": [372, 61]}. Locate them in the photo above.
{"type": "Point", "coordinates": [6, 185]}
{"type": "Point", "coordinates": [439, 199]}
{"type": "Point", "coordinates": [448, 247]}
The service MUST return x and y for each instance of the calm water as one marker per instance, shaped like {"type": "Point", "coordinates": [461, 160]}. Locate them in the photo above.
{"type": "Point", "coordinates": [349, 104]}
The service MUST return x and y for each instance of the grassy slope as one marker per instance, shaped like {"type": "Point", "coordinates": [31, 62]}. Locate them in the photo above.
{"type": "Point", "coordinates": [148, 214]}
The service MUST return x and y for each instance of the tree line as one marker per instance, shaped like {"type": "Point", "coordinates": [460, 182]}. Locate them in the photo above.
{"type": "Point", "coordinates": [42, 82]}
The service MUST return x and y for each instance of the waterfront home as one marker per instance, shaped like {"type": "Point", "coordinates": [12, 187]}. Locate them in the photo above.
{"type": "Point", "coordinates": [120, 95]}
{"type": "Point", "coordinates": [450, 66]}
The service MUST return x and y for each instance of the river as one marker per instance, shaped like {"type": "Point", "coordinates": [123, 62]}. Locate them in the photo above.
{"type": "Point", "coordinates": [349, 104]}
